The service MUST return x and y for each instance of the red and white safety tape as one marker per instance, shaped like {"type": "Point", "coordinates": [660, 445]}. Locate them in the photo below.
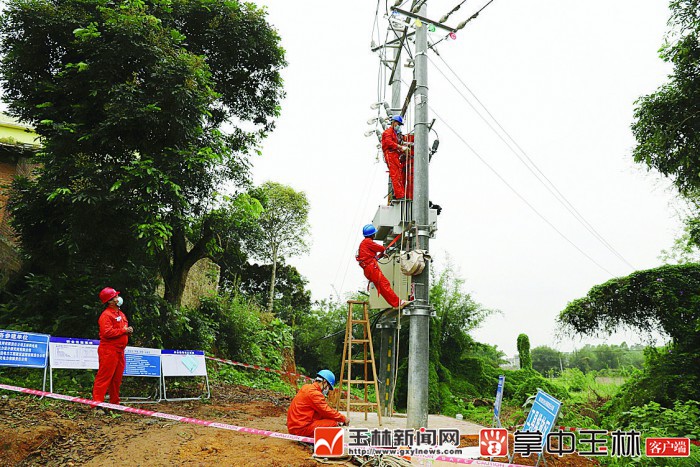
{"type": "Point", "coordinates": [150, 413]}
{"type": "Point", "coordinates": [223, 426]}
{"type": "Point", "coordinates": [258, 367]}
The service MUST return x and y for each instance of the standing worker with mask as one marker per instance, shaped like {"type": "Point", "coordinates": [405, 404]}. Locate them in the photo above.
{"type": "Point", "coordinates": [114, 335]}
{"type": "Point", "coordinates": [392, 155]}
{"type": "Point", "coordinates": [310, 410]}
{"type": "Point", "coordinates": [367, 257]}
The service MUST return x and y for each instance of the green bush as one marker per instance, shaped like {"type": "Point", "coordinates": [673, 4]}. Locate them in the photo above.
{"type": "Point", "coordinates": [529, 388]}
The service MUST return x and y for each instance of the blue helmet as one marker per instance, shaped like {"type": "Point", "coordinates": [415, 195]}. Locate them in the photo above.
{"type": "Point", "coordinates": [328, 376]}
{"type": "Point", "coordinates": [397, 118]}
{"type": "Point", "coordinates": [369, 230]}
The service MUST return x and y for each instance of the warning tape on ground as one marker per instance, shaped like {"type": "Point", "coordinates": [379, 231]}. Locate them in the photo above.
{"type": "Point", "coordinates": [258, 367]}
{"type": "Point", "coordinates": [150, 413]}
{"type": "Point", "coordinates": [223, 426]}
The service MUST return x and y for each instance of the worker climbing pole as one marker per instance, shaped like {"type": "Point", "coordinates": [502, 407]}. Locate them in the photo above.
{"type": "Point", "coordinates": [408, 216]}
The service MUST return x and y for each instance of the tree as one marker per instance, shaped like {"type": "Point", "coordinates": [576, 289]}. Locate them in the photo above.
{"type": "Point", "coordinates": [524, 352]}
{"type": "Point", "coordinates": [664, 299]}
{"type": "Point", "coordinates": [667, 121]}
{"type": "Point", "coordinates": [292, 298]}
{"type": "Point", "coordinates": [546, 359]}
{"type": "Point", "coordinates": [282, 228]}
{"type": "Point", "coordinates": [130, 99]}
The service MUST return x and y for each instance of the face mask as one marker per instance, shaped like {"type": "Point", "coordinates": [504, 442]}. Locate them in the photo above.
{"type": "Point", "coordinates": [325, 392]}
{"type": "Point", "coordinates": [397, 129]}
{"type": "Point", "coordinates": [120, 301]}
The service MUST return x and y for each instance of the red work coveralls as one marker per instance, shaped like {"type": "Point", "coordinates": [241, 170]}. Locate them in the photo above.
{"type": "Point", "coordinates": [367, 257]}
{"type": "Point", "coordinates": [113, 340]}
{"type": "Point", "coordinates": [309, 410]}
{"type": "Point", "coordinates": [392, 153]}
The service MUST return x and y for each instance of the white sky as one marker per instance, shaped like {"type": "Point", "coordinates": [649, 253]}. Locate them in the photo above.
{"type": "Point", "coordinates": [560, 76]}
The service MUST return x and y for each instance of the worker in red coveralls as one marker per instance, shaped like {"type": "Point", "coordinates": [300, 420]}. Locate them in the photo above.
{"type": "Point", "coordinates": [114, 335]}
{"type": "Point", "coordinates": [309, 408]}
{"type": "Point", "coordinates": [393, 155]}
{"type": "Point", "coordinates": [367, 257]}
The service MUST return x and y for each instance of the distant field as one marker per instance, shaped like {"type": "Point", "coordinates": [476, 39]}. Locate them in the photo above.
{"type": "Point", "coordinates": [613, 380]}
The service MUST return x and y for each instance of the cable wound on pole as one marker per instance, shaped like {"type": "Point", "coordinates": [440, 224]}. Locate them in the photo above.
{"type": "Point", "coordinates": [413, 262]}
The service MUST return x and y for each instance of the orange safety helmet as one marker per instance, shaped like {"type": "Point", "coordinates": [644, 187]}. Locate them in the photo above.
{"type": "Point", "coordinates": [107, 294]}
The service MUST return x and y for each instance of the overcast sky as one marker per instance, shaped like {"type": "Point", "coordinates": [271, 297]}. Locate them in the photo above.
{"type": "Point", "coordinates": [560, 76]}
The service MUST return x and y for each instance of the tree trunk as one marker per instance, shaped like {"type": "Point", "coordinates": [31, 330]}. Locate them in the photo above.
{"type": "Point", "coordinates": [271, 299]}
{"type": "Point", "coordinates": [175, 268]}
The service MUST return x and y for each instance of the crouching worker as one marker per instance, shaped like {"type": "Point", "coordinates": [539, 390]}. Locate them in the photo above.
{"type": "Point", "coordinates": [309, 408]}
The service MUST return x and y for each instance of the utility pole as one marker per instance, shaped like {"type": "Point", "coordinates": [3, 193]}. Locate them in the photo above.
{"type": "Point", "coordinates": [420, 311]}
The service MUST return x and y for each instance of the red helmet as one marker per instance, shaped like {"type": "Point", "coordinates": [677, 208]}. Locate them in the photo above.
{"type": "Point", "coordinates": [107, 294]}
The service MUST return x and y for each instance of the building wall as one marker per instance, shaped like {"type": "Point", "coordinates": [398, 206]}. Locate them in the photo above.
{"type": "Point", "coordinates": [17, 141]}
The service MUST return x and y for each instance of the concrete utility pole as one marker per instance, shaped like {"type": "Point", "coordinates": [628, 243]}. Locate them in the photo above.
{"type": "Point", "coordinates": [418, 346]}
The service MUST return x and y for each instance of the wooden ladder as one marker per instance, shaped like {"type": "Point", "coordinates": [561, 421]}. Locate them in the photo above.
{"type": "Point", "coordinates": [349, 360]}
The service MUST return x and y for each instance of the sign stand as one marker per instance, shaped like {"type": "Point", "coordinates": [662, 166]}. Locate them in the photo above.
{"type": "Point", "coordinates": [496, 423]}
{"type": "Point", "coordinates": [25, 350]}
{"type": "Point", "coordinates": [187, 363]}
{"type": "Point", "coordinates": [542, 416]}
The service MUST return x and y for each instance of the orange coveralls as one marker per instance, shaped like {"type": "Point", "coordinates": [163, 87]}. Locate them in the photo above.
{"type": "Point", "coordinates": [309, 410]}
{"type": "Point", "coordinates": [113, 340]}
{"type": "Point", "coordinates": [392, 155]}
{"type": "Point", "coordinates": [367, 257]}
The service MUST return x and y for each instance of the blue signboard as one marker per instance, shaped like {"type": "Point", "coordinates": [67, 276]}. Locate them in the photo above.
{"type": "Point", "coordinates": [542, 415]}
{"type": "Point", "coordinates": [142, 362]}
{"type": "Point", "coordinates": [499, 397]}
{"type": "Point", "coordinates": [23, 349]}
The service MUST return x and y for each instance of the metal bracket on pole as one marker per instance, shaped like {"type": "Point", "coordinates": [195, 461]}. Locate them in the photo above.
{"type": "Point", "coordinates": [416, 309]}
{"type": "Point", "coordinates": [424, 19]}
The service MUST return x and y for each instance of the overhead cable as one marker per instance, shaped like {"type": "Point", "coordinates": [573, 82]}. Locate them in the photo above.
{"type": "Point", "coordinates": [536, 172]}
{"type": "Point", "coordinates": [517, 193]}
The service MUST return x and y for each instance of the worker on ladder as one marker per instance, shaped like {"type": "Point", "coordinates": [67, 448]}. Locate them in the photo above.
{"type": "Point", "coordinates": [367, 257]}
{"type": "Point", "coordinates": [394, 156]}
{"type": "Point", "coordinates": [309, 409]}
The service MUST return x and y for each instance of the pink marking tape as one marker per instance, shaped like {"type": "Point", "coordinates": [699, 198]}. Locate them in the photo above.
{"type": "Point", "coordinates": [223, 426]}
{"type": "Point", "coordinates": [258, 367]}
{"type": "Point", "coordinates": [150, 413]}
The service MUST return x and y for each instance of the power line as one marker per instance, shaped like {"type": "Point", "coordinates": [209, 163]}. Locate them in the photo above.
{"type": "Point", "coordinates": [462, 24]}
{"type": "Point", "coordinates": [539, 175]}
{"type": "Point", "coordinates": [522, 198]}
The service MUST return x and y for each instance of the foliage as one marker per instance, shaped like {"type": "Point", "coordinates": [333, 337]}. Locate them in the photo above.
{"type": "Point", "coordinates": [130, 99]}
{"type": "Point", "coordinates": [666, 299]}
{"type": "Point", "coordinates": [534, 381]}
{"type": "Point", "coordinates": [292, 299]}
{"type": "Point", "coordinates": [669, 375]}
{"type": "Point", "coordinates": [251, 378]}
{"type": "Point", "coordinates": [524, 352]}
{"type": "Point", "coordinates": [282, 227]}
{"type": "Point", "coordinates": [606, 357]}
{"type": "Point", "coordinates": [667, 122]}
{"type": "Point", "coordinates": [67, 305]}
{"type": "Point", "coordinates": [546, 360]}
{"type": "Point", "coordinates": [319, 336]}
{"type": "Point", "coordinates": [232, 326]}
{"type": "Point", "coordinates": [460, 368]}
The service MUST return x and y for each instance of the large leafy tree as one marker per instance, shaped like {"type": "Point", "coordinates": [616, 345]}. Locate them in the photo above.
{"type": "Point", "coordinates": [283, 228]}
{"type": "Point", "coordinates": [130, 99]}
{"type": "Point", "coordinates": [667, 121]}
{"type": "Point", "coordinates": [664, 299]}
